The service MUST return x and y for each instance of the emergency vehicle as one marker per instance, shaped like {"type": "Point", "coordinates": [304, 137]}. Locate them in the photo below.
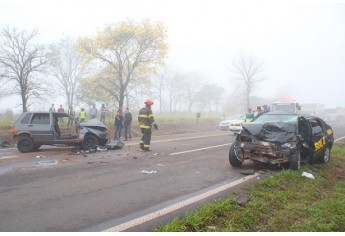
{"type": "Point", "coordinates": [286, 105]}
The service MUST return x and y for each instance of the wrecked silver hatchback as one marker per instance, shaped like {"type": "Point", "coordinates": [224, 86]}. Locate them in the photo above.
{"type": "Point", "coordinates": [282, 138]}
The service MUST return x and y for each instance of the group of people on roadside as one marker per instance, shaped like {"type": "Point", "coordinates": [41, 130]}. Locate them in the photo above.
{"type": "Point", "coordinates": [251, 114]}
{"type": "Point", "coordinates": [123, 121]}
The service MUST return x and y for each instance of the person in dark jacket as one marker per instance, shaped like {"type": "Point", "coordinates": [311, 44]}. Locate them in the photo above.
{"type": "Point", "coordinates": [127, 121]}
{"type": "Point", "coordinates": [118, 124]}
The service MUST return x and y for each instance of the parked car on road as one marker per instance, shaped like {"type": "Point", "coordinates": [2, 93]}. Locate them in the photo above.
{"type": "Point", "coordinates": [283, 138]}
{"type": "Point", "coordinates": [33, 129]}
{"type": "Point", "coordinates": [236, 126]}
{"type": "Point", "coordinates": [225, 124]}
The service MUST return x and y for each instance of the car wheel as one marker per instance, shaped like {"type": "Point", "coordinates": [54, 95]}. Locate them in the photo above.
{"type": "Point", "coordinates": [90, 141]}
{"type": "Point", "coordinates": [327, 155]}
{"type": "Point", "coordinates": [295, 161]}
{"type": "Point", "coordinates": [25, 144]}
{"type": "Point", "coordinates": [235, 156]}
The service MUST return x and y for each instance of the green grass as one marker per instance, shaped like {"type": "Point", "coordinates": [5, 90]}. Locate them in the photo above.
{"type": "Point", "coordinates": [283, 202]}
{"type": "Point", "coordinates": [6, 123]}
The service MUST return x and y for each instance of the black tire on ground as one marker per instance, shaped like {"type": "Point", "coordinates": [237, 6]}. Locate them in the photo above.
{"type": "Point", "coordinates": [25, 144]}
{"type": "Point", "coordinates": [295, 161]}
{"type": "Point", "coordinates": [90, 141]}
{"type": "Point", "coordinates": [326, 156]}
{"type": "Point", "coordinates": [233, 159]}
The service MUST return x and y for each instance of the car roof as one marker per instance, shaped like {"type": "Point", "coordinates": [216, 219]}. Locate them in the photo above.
{"type": "Point", "coordinates": [55, 114]}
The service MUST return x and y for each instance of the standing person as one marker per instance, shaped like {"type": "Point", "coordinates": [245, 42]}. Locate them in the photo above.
{"type": "Point", "coordinates": [259, 110]}
{"type": "Point", "coordinates": [146, 121]}
{"type": "Point", "coordinates": [249, 116]}
{"type": "Point", "coordinates": [71, 112]}
{"type": "Point", "coordinates": [82, 115]}
{"type": "Point", "coordinates": [103, 111]}
{"type": "Point", "coordinates": [61, 110]}
{"type": "Point", "coordinates": [127, 121]}
{"type": "Point", "coordinates": [93, 112]}
{"type": "Point", "coordinates": [118, 125]}
{"type": "Point", "coordinates": [52, 108]}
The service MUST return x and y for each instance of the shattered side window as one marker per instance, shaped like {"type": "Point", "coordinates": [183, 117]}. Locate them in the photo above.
{"type": "Point", "coordinates": [316, 127]}
{"type": "Point", "coordinates": [26, 119]}
{"type": "Point", "coordinates": [41, 118]}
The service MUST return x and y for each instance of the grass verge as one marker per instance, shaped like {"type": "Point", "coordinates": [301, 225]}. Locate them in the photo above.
{"type": "Point", "coordinates": [283, 202]}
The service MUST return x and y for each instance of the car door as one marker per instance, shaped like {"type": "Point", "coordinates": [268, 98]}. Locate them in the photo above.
{"type": "Point", "coordinates": [319, 138]}
{"type": "Point", "coordinates": [40, 127]}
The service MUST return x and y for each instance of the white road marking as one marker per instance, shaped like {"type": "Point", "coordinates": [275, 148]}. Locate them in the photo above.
{"type": "Point", "coordinates": [199, 149]}
{"type": "Point", "coordinates": [8, 157]}
{"type": "Point", "coordinates": [338, 139]}
{"type": "Point", "coordinates": [174, 207]}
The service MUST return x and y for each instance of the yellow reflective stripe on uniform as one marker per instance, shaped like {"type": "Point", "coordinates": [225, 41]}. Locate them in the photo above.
{"type": "Point", "coordinates": [143, 115]}
{"type": "Point", "coordinates": [145, 127]}
{"type": "Point", "coordinates": [151, 115]}
{"type": "Point", "coordinates": [146, 146]}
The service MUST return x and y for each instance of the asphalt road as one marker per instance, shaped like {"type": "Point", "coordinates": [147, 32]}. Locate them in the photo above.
{"type": "Point", "coordinates": [57, 189]}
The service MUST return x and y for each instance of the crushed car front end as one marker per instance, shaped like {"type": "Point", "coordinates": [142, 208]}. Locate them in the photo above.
{"type": "Point", "coordinates": [271, 142]}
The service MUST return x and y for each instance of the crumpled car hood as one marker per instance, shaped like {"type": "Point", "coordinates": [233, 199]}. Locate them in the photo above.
{"type": "Point", "coordinates": [271, 131]}
{"type": "Point", "coordinates": [93, 124]}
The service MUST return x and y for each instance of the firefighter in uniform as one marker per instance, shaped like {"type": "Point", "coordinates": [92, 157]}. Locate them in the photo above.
{"type": "Point", "coordinates": [146, 121]}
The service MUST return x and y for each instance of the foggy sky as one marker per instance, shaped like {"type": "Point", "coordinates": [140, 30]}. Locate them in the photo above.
{"type": "Point", "coordinates": [302, 44]}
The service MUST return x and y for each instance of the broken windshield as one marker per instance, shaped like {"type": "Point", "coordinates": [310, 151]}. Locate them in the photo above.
{"type": "Point", "coordinates": [267, 117]}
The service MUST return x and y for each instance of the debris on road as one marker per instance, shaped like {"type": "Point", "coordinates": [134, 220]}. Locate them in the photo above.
{"type": "Point", "coordinates": [242, 199]}
{"type": "Point", "coordinates": [247, 172]}
{"type": "Point", "coordinates": [148, 172]}
{"type": "Point", "coordinates": [46, 163]}
{"type": "Point", "coordinates": [308, 175]}
{"type": "Point", "coordinates": [40, 156]}
{"type": "Point", "coordinates": [5, 144]}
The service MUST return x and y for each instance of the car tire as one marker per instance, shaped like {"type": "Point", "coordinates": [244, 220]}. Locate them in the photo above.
{"type": "Point", "coordinates": [90, 141]}
{"type": "Point", "coordinates": [327, 155]}
{"type": "Point", "coordinates": [233, 157]}
{"type": "Point", "coordinates": [295, 161]}
{"type": "Point", "coordinates": [25, 144]}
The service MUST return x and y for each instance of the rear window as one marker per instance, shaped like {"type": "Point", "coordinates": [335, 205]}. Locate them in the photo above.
{"type": "Point", "coordinates": [40, 118]}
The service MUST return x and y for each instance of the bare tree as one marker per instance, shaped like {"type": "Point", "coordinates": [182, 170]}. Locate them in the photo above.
{"type": "Point", "coordinates": [247, 69]}
{"type": "Point", "coordinates": [65, 65]}
{"type": "Point", "coordinates": [209, 96]}
{"type": "Point", "coordinates": [192, 85]}
{"type": "Point", "coordinates": [21, 61]}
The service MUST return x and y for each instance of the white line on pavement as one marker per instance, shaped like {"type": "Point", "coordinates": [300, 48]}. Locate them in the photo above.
{"type": "Point", "coordinates": [199, 149]}
{"type": "Point", "coordinates": [338, 139]}
{"type": "Point", "coordinates": [177, 206]}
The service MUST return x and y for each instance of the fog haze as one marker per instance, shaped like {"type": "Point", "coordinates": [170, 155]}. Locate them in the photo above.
{"type": "Point", "coordinates": [301, 44]}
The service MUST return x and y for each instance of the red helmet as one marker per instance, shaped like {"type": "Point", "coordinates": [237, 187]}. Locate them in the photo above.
{"type": "Point", "coordinates": [149, 102]}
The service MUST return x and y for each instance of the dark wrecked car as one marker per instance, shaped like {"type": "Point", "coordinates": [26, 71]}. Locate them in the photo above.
{"type": "Point", "coordinates": [33, 129]}
{"type": "Point", "coordinates": [280, 138]}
